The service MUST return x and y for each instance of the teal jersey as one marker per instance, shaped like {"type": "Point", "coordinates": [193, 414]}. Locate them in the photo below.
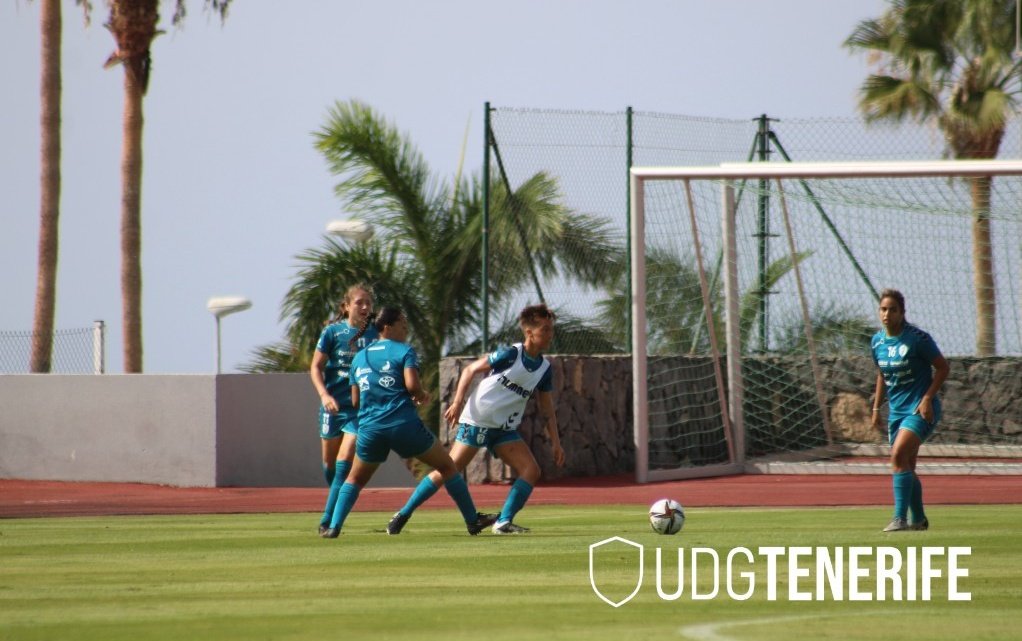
{"type": "Point", "coordinates": [334, 343]}
{"type": "Point", "coordinates": [379, 372]}
{"type": "Point", "coordinates": [906, 363]}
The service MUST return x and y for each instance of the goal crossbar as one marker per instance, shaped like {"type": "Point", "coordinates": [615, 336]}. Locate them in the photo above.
{"type": "Point", "coordinates": [727, 175]}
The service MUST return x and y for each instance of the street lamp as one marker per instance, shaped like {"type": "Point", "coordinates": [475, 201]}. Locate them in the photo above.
{"type": "Point", "coordinates": [221, 306]}
{"type": "Point", "coordinates": [352, 230]}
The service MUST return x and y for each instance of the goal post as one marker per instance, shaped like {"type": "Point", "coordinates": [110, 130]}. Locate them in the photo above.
{"type": "Point", "coordinates": [753, 298]}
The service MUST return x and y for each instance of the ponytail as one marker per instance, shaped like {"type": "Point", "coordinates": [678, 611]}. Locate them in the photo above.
{"type": "Point", "coordinates": [361, 331]}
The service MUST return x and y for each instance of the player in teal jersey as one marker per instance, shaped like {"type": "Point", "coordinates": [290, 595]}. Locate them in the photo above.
{"type": "Point", "coordinates": [490, 417]}
{"type": "Point", "coordinates": [911, 370]}
{"type": "Point", "coordinates": [386, 389]}
{"type": "Point", "coordinates": [331, 362]}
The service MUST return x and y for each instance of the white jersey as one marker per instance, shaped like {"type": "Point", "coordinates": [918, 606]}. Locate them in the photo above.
{"type": "Point", "coordinates": [499, 400]}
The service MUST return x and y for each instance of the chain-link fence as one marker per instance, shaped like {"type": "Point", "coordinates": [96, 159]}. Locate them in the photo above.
{"type": "Point", "coordinates": [588, 155]}
{"type": "Point", "coordinates": [75, 351]}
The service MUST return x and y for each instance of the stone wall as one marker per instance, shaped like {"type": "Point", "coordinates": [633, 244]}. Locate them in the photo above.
{"type": "Point", "coordinates": [593, 397]}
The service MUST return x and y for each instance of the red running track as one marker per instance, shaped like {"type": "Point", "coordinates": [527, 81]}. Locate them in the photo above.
{"type": "Point", "coordinates": [55, 498]}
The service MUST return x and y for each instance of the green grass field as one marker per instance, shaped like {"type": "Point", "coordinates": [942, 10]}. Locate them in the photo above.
{"type": "Point", "coordinates": [270, 577]}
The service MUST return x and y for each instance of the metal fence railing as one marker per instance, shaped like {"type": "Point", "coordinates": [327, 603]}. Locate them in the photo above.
{"type": "Point", "coordinates": [75, 351]}
{"type": "Point", "coordinates": [588, 154]}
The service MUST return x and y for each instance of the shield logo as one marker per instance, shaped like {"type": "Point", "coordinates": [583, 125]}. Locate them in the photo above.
{"type": "Point", "coordinates": [615, 546]}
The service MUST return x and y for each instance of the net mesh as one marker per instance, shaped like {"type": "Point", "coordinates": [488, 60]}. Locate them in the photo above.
{"type": "Point", "coordinates": [73, 351]}
{"type": "Point", "coordinates": [587, 153]}
{"type": "Point", "coordinates": [851, 238]}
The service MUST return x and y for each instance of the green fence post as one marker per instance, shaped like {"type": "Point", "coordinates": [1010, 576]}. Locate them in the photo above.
{"type": "Point", "coordinates": [485, 343]}
{"type": "Point", "coordinates": [628, 219]}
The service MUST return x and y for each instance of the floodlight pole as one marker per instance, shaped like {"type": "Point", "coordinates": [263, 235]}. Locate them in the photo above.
{"type": "Point", "coordinates": [221, 306]}
{"type": "Point", "coordinates": [217, 344]}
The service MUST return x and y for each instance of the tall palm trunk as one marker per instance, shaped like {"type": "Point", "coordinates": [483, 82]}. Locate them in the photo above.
{"type": "Point", "coordinates": [131, 225]}
{"type": "Point", "coordinates": [983, 268]}
{"type": "Point", "coordinates": [970, 144]}
{"type": "Point", "coordinates": [133, 24]}
{"type": "Point", "coordinates": [49, 200]}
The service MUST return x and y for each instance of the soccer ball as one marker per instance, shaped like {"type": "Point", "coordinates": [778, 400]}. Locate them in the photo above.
{"type": "Point", "coordinates": [666, 516]}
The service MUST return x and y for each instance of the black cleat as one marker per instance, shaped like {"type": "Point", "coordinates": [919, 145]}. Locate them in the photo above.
{"type": "Point", "coordinates": [331, 533]}
{"type": "Point", "coordinates": [323, 527]}
{"type": "Point", "coordinates": [397, 523]}
{"type": "Point", "coordinates": [482, 522]}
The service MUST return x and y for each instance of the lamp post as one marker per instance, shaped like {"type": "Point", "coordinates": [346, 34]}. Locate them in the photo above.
{"type": "Point", "coordinates": [221, 306]}
{"type": "Point", "coordinates": [351, 230]}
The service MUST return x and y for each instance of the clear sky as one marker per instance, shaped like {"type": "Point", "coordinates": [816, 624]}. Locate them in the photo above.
{"type": "Point", "coordinates": [233, 188]}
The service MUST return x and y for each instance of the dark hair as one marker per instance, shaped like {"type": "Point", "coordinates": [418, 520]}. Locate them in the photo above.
{"type": "Point", "coordinates": [361, 330]}
{"type": "Point", "coordinates": [388, 316]}
{"type": "Point", "coordinates": [534, 313]}
{"type": "Point", "coordinates": [896, 295]}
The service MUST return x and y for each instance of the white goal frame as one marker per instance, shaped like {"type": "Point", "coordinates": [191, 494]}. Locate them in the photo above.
{"type": "Point", "coordinates": [729, 173]}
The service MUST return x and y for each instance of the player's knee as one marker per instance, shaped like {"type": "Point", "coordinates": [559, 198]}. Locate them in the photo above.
{"type": "Point", "coordinates": [447, 470]}
{"type": "Point", "coordinates": [901, 461]}
{"type": "Point", "coordinates": [531, 473]}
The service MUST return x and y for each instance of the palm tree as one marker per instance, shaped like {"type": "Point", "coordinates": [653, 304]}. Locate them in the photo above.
{"type": "Point", "coordinates": [426, 256]}
{"type": "Point", "coordinates": [949, 62]}
{"type": "Point", "coordinates": [676, 322]}
{"type": "Point", "coordinates": [49, 201]}
{"type": "Point", "coordinates": [133, 25]}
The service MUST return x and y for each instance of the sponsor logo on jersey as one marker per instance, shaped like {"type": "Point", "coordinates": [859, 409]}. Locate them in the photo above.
{"type": "Point", "coordinates": [514, 387]}
{"type": "Point", "coordinates": [387, 381]}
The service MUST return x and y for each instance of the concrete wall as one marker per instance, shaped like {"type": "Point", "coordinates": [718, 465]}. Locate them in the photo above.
{"type": "Point", "coordinates": [257, 430]}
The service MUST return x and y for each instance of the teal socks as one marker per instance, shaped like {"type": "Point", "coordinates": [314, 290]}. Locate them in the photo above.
{"type": "Point", "coordinates": [336, 482]}
{"type": "Point", "coordinates": [423, 491]}
{"type": "Point", "coordinates": [916, 505]}
{"type": "Point", "coordinates": [903, 485]}
{"type": "Point", "coordinates": [458, 489]}
{"type": "Point", "coordinates": [345, 501]}
{"type": "Point", "coordinates": [516, 498]}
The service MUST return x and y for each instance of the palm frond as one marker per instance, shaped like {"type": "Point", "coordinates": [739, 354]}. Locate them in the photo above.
{"type": "Point", "coordinates": [836, 331]}
{"type": "Point", "coordinates": [572, 335]}
{"type": "Point", "coordinates": [278, 357]}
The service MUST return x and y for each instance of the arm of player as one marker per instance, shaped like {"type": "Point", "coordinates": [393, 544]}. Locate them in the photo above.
{"type": "Point", "coordinates": [941, 370]}
{"type": "Point", "coordinates": [354, 396]}
{"type": "Point", "coordinates": [414, 386]}
{"type": "Point", "coordinates": [546, 408]}
{"type": "Point", "coordinates": [878, 398]}
{"type": "Point", "coordinates": [453, 413]}
{"type": "Point", "coordinates": [316, 373]}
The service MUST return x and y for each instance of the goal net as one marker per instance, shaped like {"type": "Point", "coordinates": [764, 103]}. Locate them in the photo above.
{"type": "Point", "coordinates": [755, 293]}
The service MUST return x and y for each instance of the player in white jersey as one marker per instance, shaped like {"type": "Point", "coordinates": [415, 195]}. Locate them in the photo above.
{"type": "Point", "coordinates": [491, 415]}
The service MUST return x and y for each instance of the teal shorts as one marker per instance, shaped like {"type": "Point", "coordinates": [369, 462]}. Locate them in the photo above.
{"type": "Point", "coordinates": [409, 440]}
{"type": "Point", "coordinates": [913, 423]}
{"type": "Point", "coordinates": [488, 437]}
{"type": "Point", "coordinates": [333, 425]}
